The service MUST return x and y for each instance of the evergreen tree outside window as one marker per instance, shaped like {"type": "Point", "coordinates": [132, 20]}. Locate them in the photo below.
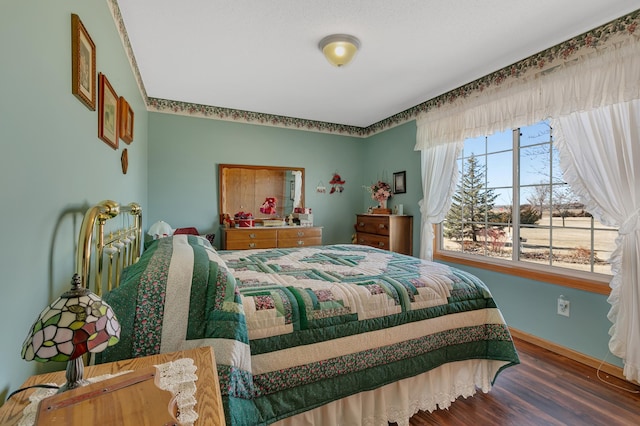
{"type": "Point", "coordinates": [518, 171]}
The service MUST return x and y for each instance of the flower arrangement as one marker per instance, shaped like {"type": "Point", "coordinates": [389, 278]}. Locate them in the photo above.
{"type": "Point", "coordinates": [380, 191]}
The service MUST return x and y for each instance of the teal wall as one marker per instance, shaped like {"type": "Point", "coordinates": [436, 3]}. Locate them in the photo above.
{"type": "Point", "coordinates": [390, 152]}
{"type": "Point", "coordinates": [183, 169]}
{"type": "Point", "coordinates": [531, 306]}
{"type": "Point", "coordinates": [52, 164]}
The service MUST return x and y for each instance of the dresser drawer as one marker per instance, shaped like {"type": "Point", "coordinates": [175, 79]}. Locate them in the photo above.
{"type": "Point", "coordinates": [301, 232]}
{"type": "Point", "coordinates": [249, 244]}
{"type": "Point", "coordinates": [299, 237]}
{"type": "Point", "coordinates": [265, 237]}
{"type": "Point", "coordinates": [299, 242]}
{"type": "Point", "coordinates": [251, 234]}
{"type": "Point", "coordinates": [251, 238]}
{"type": "Point", "coordinates": [373, 224]}
{"type": "Point", "coordinates": [373, 240]}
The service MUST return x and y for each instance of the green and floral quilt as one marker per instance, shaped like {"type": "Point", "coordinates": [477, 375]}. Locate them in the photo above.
{"type": "Point", "coordinates": [295, 328]}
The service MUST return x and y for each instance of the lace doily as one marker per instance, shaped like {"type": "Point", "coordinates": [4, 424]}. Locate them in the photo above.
{"type": "Point", "coordinates": [178, 377]}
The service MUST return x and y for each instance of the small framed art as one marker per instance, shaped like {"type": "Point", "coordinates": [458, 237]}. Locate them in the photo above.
{"type": "Point", "coordinates": [107, 112]}
{"type": "Point", "coordinates": [126, 120]}
{"type": "Point", "coordinates": [83, 64]}
{"type": "Point", "coordinates": [399, 182]}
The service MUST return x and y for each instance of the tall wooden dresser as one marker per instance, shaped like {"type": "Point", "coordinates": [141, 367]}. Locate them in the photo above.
{"type": "Point", "coordinates": [387, 232]}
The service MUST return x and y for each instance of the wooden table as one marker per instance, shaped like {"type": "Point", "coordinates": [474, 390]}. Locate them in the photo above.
{"type": "Point", "coordinates": [208, 407]}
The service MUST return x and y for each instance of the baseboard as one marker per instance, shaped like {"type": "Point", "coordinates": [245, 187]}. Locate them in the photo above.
{"type": "Point", "coordinates": [612, 370]}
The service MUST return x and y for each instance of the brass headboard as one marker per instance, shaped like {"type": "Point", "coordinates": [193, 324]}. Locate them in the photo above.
{"type": "Point", "coordinates": [121, 247]}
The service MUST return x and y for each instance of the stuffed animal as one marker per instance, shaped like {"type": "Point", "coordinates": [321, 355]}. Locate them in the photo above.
{"type": "Point", "coordinates": [269, 205]}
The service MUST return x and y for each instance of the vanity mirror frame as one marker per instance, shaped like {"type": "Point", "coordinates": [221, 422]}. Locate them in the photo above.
{"type": "Point", "coordinates": [223, 186]}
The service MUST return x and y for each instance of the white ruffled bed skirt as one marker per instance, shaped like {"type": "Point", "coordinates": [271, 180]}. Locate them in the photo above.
{"type": "Point", "coordinates": [398, 401]}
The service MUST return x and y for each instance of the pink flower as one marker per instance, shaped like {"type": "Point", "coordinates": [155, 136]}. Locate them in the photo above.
{"type": "Point", "coordinates": [380, 191]}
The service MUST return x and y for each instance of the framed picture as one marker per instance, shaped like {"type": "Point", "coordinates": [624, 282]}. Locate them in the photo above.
{"type": "Point", "coordinates": [107, 112]}
{"type": "Point", "coordinates": [83, 64]}
{"type": "Point", "coordinates": [126, 120]}
{"type": "Point", "coordinates": [399, 182]}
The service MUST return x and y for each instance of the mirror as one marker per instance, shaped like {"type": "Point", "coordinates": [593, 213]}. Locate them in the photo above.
{"type": "Point", "coordinates": [246, 188]}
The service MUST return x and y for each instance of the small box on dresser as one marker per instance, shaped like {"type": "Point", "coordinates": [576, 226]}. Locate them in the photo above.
{"type": "Point", "coordinates": [387, 232]}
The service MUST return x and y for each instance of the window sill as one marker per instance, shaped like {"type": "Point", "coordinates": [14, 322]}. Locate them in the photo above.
{"type": "Point", "coordinates": [595, 283]}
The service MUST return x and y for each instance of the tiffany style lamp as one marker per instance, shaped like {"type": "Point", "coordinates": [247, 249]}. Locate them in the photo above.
{"type": "Point", "coordinates": [74, 324]}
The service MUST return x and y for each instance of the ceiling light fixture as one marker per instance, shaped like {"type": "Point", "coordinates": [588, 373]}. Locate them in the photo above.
{"type": "Point", "coordinates": [339, 49]}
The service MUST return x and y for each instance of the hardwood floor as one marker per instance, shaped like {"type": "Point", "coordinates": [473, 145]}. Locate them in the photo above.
{"type": "Point", "coordinates": [545, 389]}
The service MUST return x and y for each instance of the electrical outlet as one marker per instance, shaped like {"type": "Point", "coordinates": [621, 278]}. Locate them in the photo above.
{"type": "Point", "coordinates": [564, 306]}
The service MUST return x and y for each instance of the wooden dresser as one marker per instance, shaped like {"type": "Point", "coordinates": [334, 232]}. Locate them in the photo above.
{"type": "Point", "coordinates": [387, 232]}
{"type": "Point", "coordinates": [271, 237]}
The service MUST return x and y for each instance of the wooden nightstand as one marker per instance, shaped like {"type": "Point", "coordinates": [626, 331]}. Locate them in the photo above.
{"type": "Point", "coordinates": [208, 407]}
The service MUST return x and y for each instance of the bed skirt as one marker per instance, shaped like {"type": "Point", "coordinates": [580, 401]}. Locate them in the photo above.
{"type": "Point", "coordinates": [398, 401]}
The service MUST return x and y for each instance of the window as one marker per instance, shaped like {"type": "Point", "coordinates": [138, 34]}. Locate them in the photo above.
{"type": "Point", "coordinates": [519, 172]}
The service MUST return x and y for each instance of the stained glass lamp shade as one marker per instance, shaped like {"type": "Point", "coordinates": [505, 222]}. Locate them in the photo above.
{"type": "Point", "coordinates": [74, 324]}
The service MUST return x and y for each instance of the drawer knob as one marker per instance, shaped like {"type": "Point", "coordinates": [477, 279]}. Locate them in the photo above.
{"type": "Point", "coordinates": [252, 235]}
{"type": "Point", "coordinates": [361, 224]}
{"type": "Point", "coordinates": [300, 233]}
{"type": "Point", "coordinates": [361, 241]}
{"type": "Point", "coordinates": [300, 242]}
{"type": "Point", "coordinates": [382, 226]}
{"type": "Point", "coordinates": [380, 244]}
{"type": "Point", "coordinates": [252, 245]}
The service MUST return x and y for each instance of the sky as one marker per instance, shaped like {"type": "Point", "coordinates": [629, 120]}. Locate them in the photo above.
{"type": "Point", "coordinates": [496, 153]}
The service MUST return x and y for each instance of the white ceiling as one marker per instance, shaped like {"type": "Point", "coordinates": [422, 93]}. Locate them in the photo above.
{"type": "Point", "coordinates": [263, 56]}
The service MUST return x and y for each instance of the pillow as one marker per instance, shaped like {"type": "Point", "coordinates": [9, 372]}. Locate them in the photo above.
{"type": "Point", "coordinates": [188, 231]}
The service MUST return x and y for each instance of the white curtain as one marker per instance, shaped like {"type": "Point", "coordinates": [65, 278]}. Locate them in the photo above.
{"type": "Point", "coordinates": [600, 153]}
{"type": "Point", "coordinates": [595, 97]}
{"type": "Point", "coordinates": [594, 81]}
{"type": "Point", "coordinates": [439, 177]}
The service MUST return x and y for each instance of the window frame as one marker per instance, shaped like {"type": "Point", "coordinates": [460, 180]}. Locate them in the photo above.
{"type": "Point", "coordinates": [594, 282]}
{"type": "Point", "coordinates": [588, 281]}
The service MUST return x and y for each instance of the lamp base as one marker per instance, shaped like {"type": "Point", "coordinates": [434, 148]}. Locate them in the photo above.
{"type": "Point", "coordinates": [74, 375]}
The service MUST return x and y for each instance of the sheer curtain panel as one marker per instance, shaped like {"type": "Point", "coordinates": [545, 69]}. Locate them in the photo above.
{"type": "Point", "coordinates": [600, 153]}
{"type": "Point", "coordinates": [439, 177]}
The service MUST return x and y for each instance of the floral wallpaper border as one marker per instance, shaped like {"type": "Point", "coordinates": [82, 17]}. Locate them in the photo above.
{"type": "Point", "coordinates": [623, 29]}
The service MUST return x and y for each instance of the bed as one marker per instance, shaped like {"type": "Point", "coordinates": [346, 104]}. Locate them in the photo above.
{"type": "Point", "coordinates": [339, 334]}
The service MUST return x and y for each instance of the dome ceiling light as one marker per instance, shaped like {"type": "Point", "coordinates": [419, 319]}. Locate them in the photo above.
{"type": "Point", "coordinates": [339, 49]}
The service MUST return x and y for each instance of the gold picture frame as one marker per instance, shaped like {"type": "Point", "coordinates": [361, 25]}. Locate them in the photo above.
{"type": "Point", "coordinates": [83, 64]}
{"type": "Point", "coordinates": [126, 120]}
{"type": "Point", "coordinates": [107, 112]}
